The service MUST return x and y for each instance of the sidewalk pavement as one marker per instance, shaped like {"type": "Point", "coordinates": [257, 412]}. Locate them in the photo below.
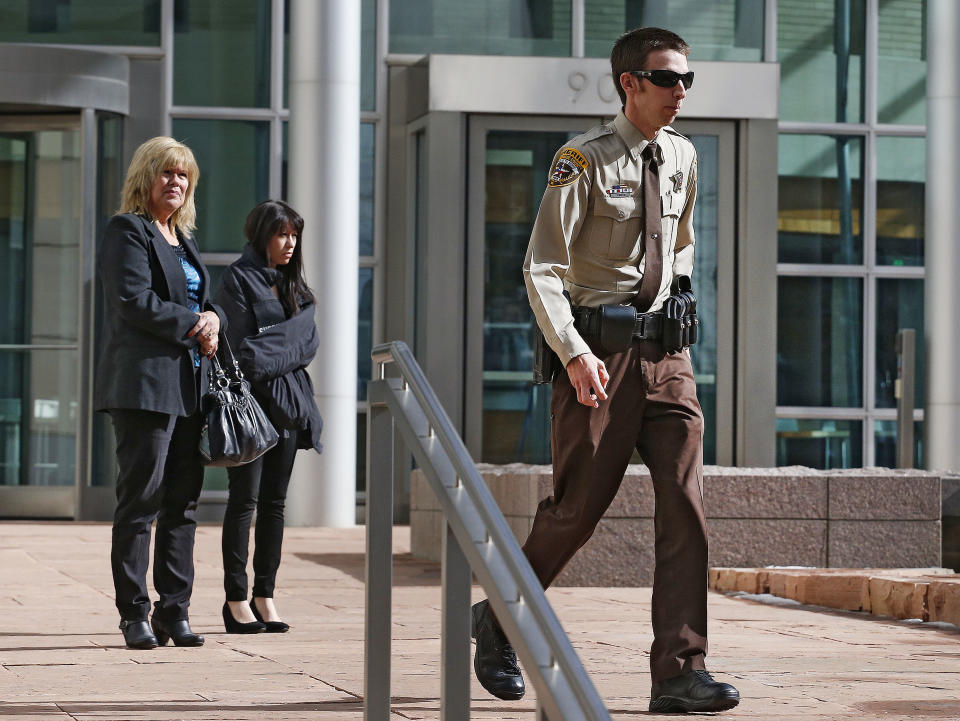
{"type": "Point", "coordinates": [62, 656]}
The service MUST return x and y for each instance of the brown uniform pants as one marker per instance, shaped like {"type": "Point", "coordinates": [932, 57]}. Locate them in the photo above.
{"type": "Point", "coordinates": [651, 406]}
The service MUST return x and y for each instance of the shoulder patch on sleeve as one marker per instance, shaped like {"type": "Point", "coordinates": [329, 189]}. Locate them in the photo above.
{"type": "Point", "coordinates": [569, 166]}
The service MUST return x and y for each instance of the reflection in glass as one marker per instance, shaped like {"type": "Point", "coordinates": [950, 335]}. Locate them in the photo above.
{"type": "Point", "coordinates": [233, 156]}
{"type": "Point", "coordinates": [820, 47]}
{"type": "Point", "coordinates": [819, 443]}
{"type": "Point", "coordinates": [718, 30]}
{"type": "Point", "coordinates": [902, 62]}
{"type": "Point", "coordinates": [110, 174]}
{"type": "Point", "coordinates": [820, 199]}
{"type": "Point", "coordinates": [705, 226]}
{"type": "Point", "coordinates": [516, 425]}
{"type": "Point", "coordinates": [901, 187]}
{"type": "Point", "coordinates": [40, 196]}
{"type": "Point", "coordinates": [899, 305]}
{"type": "Point", "coordinates": [367, 167]}
{"type": "Point", "coordinates": [368, 55]}
{"type": "Point", "coordinates": [885, 444]}
{"type": "Point", "coordinates": [222, 53]}
{"type": "Point", "coordinates": [81, 22]}
{"type": "Point", "coordinates": [510, 27]}
{"type": "Point", "coordinates": [364, 332]}
{"type": "Point", "coordinates": [819, 341]}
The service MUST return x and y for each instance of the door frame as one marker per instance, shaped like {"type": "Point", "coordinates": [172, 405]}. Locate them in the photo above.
{"type": "Point", "coordinates": [478, 126]}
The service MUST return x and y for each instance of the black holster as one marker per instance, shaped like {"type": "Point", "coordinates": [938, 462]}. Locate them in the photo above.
{"type": "Point", "coordinates": [546, 363]}
{"type": "Point", "coordinates": [680, 322]}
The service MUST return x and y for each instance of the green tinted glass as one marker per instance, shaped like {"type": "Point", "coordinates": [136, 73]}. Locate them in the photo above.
{"type": "Point", "coordinates": [508, 27]}
{"type": "Point", "coordinates": [717, 30]}
{"type": "Point", "coordinates": [233, 156]}
{"type": "Point", "coordinates": [222, 53]}
{"type": "Point", "coordinates": [81, 22]}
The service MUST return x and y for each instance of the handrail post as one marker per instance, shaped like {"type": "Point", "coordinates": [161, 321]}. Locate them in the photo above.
{"type": "Point", "coordinates": [455, 630]}
{"type": "Point", "coordinates": [379, 566]}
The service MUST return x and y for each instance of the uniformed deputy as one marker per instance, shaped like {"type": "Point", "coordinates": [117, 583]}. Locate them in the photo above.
{"type": "Point", "coordinates": [615, 228]}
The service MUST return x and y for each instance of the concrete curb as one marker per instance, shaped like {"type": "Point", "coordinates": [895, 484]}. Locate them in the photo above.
{"type": "Point", "coordinates": [930, 594]}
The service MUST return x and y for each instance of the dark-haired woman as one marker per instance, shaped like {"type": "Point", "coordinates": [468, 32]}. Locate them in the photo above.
{"type": "Point", "coordinates": [272, 333]}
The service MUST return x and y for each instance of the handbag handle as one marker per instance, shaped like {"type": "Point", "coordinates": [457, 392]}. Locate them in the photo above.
{"type": "Point", "coordinates": [218, 368]}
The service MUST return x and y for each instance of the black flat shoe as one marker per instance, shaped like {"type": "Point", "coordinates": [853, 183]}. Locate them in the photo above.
{"type": "Point", "coordinates": [234, 626]}
{"type": "Point", "coordinates": [179, 631]}
{"type": "Point", "coordinates": [272, 626]}
{"type": "Point", "coordinates": [137, 634]}
{"type": "Point", "coordinates": [495, 661]}
{"type": "Point", "coordinates": [692, 691]}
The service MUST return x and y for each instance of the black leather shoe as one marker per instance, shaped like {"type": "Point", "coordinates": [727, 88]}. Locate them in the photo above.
{"type": "Point", "coordinates": [137, 634]}
{"type": "Point", "coordinates": [692, 691]}
{"type": "Point", "coordinates": [272, 626]}
{"type": "Point", "coordinates": [495, 661]}
{"type": "Point", "coordinates": [179, 631]}
{"type": "Point", "coordinates": [234, 626]}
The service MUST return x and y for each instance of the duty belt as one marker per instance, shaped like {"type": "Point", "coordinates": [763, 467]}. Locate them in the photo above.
{"type": "Point", "coordinates": [648, 326]}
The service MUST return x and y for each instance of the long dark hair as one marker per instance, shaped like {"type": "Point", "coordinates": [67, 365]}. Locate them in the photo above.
{"type": "Point", "coordinates": [265, 221]}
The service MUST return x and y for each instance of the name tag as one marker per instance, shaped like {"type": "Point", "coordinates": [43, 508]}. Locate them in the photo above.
{"type": "Point", "coordinates": [620, 191]}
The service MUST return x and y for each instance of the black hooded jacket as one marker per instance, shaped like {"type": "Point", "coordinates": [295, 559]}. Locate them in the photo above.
{"type": "Point", "coordinates": [272, 348]}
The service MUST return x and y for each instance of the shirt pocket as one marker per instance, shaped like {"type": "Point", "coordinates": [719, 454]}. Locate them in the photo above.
{"type": "Point", "coordinates": [613, 227]}
{"type": "Point", "coordinates": [268, 312]}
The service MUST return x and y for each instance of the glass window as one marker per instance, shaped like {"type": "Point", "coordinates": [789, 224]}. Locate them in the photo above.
{"type": "Point", "coordinates": [718, 30]}
{"type": "Point", "coordinates": [40, 202]}
{"type": "Point", "coordinates": [819, 443]}
{"type": "Point", "coordinates": [364, 332]}
{"type": "Point", "coordinates": [885, 444]}
{"type": "Point", "coordinates": [901, 177]}
{"type": "Point", "coordinates": [367, 183]}
{"type": "Point", "coordinates": [899, 305]}
{"type": "Point", "coordinates": [902, 62]}
{"type": "Point", "coordinates": [820, 199]}
{"type": "Point", "coordinates": [81, 22]}
{"type": "Point", "coordinates": [509, 27]}
{"type": "Point", "coordinates": [819, 341]}
{"type": "Point", "coordinates": [820, 48]}
{"type": "Point", "coordinates": [233, 156]}
{"type": "Point", "coordinates": [222, 53]}
{"type": "Point", "coordinates": [368, 55]}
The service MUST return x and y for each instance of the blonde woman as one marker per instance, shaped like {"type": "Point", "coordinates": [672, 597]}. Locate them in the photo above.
{"type": "Point", "coordinates": [159, 332]}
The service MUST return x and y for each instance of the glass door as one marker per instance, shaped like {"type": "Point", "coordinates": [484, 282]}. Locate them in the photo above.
{"type": "Point", "coordinates": [40, 240]}
{"type": "Point", "coordinates": [509, 162]}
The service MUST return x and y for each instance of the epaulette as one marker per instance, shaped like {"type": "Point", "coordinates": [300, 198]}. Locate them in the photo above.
{"type": "Point", "coordinates": [595, 132]}
{"type": "Point", "coordinates": [669, 129]}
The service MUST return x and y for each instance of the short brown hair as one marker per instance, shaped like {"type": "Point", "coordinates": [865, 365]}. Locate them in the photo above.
{"type": "Point", "coordinates": [632, 48]}
{"type": "Point", "coordinates": [150, 159]}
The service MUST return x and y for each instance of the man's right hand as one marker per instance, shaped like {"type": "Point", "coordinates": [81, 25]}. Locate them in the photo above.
{"type": "Point", "coordinates": [588, 375]}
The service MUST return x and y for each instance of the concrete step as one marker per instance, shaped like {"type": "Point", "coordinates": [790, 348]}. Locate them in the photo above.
{"type": "Point", "coordinates": [929, 594]}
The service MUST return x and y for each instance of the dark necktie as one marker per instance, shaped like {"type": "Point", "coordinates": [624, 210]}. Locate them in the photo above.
{"type": "Point", "coordinates": [652, 231]}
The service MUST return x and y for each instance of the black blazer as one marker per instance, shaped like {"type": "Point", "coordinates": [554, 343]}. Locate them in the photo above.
{"type": "Point", "coordinates": [146, 361]}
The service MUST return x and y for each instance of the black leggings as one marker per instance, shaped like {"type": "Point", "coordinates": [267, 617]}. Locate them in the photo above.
{"type": "Point", "coordinates": [261, 486]}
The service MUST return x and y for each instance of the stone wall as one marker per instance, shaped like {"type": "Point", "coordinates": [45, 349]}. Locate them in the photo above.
{"type": "Point", "coordinates": [790, 516]}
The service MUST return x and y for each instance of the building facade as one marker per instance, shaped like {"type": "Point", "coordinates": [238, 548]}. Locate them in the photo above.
{"type": "Point", "coordinates": [808, 117]}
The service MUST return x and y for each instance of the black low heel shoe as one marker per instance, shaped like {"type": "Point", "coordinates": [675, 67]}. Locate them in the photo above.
{"type": "Point", "coordinates": [272, 626]}
{"type": "Point", "coordinates": [234, 626]}
{"type": "Point", "coordinates": [136, 634]}
{"type": "Point", "coordinates": [179, 631]}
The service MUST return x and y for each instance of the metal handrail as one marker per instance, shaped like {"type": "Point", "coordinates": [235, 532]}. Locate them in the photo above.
{"type": "Point", "coordinates": [477, 538]}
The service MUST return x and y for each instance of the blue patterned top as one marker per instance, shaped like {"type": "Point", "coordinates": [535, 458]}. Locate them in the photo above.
{"type": "Point", "coordinates": [194, 289]}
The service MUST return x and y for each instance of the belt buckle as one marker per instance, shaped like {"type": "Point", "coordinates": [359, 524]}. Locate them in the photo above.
{"type": "Point", "coordinates": [641, 333]}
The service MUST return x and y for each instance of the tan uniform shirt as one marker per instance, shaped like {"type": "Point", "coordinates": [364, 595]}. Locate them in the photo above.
{"type": "Point", "coordinates": [586, 238]}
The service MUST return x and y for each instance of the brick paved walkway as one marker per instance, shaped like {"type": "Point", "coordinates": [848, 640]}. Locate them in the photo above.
{"type": "Point", "coordinates": [62, 657]}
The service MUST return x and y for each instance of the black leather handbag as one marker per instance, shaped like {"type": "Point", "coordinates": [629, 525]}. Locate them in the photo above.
{"type": "Point", "coordinates": [235, 428]}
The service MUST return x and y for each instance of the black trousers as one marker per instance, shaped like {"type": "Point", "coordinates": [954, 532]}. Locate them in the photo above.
{"type": "Point", "coordinates": [261, 486]}
{"type": "Point", "coordinates": [160, 477]}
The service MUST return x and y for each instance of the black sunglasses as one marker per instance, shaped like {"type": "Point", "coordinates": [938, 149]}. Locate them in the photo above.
{"type": "Point", "coordinates": [665, 78]}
